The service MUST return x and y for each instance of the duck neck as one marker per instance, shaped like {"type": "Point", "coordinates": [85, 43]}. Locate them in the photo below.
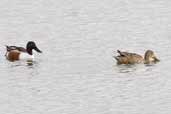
{"type": "Point", "coordinates": [146, 59]}
{"type": "Point", "coordinates": [30, 52]}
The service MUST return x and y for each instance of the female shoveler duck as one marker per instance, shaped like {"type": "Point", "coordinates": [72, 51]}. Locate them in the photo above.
{"type": "Point", "coordinates": [15, 53]}
{"type": "Point", "coordinates": [133, 58]}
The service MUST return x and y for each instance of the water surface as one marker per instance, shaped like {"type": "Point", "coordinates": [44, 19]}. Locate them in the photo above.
{"type": "Point", "coordinates": [76, 74]}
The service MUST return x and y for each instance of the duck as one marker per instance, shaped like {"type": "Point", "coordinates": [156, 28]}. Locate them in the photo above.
{"type": "Point", "coordinates": [134, 58]}
{"type": "Point", "coordinates": [15, 53]}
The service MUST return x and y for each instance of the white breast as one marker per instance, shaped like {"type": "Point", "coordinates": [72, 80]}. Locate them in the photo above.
{"type": "Point", "coordinates": [26, 56]}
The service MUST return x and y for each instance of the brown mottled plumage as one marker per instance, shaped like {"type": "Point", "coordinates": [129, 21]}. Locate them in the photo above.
{"type": "Point", "coordinates": [132, 58]}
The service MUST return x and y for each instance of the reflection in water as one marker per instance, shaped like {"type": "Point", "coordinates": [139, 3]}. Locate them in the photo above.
{"type": "Point", "coordinates": [18, 69]}
{"type": "Point", "coordinates": [133, 67]}
{"type": "Point", "coordinates": [30, 64]}
{"type": "Point", "coordinates": [127, 68]}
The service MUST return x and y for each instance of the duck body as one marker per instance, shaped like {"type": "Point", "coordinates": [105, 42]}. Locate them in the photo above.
{"type": "Point", "coordinates": [133, 58]}
{"type": "Point", "coordinates": [15, 53]}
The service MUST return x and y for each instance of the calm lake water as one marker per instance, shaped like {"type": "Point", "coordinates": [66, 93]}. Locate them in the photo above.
{"type": "Point", "coordinates": [76, 74]}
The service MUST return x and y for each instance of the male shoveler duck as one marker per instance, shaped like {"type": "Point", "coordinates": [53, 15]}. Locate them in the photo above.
{"type": "Point", "coordinates": [133, 58]}
{"type": "Point", "coordinates": [15, 53]}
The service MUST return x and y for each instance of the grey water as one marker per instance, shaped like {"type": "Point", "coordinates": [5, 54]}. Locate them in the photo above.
{"type": "Point", "coordinates": [76, 73]}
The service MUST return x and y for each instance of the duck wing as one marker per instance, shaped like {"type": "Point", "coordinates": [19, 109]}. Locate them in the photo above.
{"type": "Point", "coordinates": [10, 48]}
{"type": "Point", "coordinates": [124, 53]}
{"type": "Point", "coordinates": [128, 58]}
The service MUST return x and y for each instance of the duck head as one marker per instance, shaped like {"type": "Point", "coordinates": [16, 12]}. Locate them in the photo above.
{"type": "Point", "coordinates": [32, 45]}
{"type": "Point", "coordinates": [150, 57]}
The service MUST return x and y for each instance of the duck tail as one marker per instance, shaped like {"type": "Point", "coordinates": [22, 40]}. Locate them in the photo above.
{"type": "Point", "coordinates": [119, 52]}
{"type": "Point", "coordinates": [116, 57]}
{"type": "Point", "coordinates": [7, 47]}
